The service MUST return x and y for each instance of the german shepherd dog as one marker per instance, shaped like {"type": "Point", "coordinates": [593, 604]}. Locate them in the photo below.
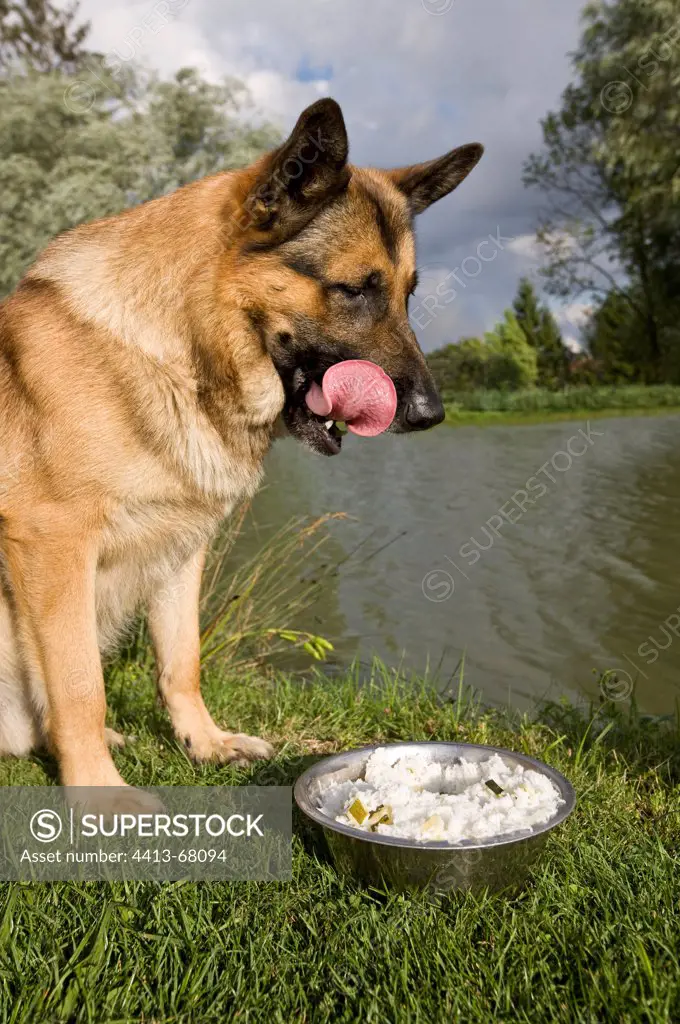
{"type": "Point", "coordinates": [145, 361]}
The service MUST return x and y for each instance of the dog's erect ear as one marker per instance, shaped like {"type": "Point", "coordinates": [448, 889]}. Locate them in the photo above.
{"type": "Point", "coordinates": [425, 183]}
{"type": "Point", "coordinates": [300, 177]}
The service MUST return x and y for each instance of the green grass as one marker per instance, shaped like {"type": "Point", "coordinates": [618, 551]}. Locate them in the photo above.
{"type": "Point", "coordinates": [594, 937]}
{"type": "Point", "coordinates": [537, 405]}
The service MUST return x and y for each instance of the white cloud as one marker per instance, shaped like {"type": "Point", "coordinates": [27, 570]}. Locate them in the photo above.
{"type": "Point", "coordinates": [526, 246]}
{"type": "Point", "coordinates": [143, 33]}
{"type": "Point", "coordinates": [279, 97]}
{"type": "Point", "coordinates": [577, 313]}
{"type": "Point", "coordinates": [573, 344]}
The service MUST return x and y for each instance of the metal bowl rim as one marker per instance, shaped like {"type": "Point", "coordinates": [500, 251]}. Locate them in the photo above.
{"type": "Point", "coordinates": [565, 787]}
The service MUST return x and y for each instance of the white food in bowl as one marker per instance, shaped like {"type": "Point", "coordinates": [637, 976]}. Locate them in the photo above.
{"type": "Point", "coordinates": [414, 796]}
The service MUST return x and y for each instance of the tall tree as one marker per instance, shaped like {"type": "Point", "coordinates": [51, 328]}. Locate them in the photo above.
{"type": "Point", "coordinates": [41, 36]}
{"type": "Point", "coordinates": [609, 168]}
{"type": "Point", "coordinates": [527, 309]}
{"type": "Point", "coordinates": [612, 339]}
{"type": "Point", "coordinates": [519, 366]}
{"type": "Point", "coordinates": [541, 331]}
{"type": "Point", "coordinates": [553, 356]}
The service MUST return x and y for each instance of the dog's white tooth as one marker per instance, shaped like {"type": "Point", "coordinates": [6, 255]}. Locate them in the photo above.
{"type": "Point", "coordinates": [328, 424]}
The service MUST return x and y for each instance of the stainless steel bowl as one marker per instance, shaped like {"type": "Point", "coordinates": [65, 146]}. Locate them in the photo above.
{"type": "Point", "coordinates": [497, 863]}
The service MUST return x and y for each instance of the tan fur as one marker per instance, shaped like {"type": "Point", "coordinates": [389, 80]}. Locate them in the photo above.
{"type": "Point", "coordinates": [138, 398]}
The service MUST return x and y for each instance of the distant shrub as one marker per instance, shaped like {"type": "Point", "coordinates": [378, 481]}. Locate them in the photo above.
{"type": "Point", "coordinates": [503, 360]}
{"type": "Point", "coordinates": [638, 396]}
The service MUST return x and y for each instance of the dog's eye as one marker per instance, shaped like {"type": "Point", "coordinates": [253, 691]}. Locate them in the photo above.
{"type": "Point", "coordinates": [349, 291]}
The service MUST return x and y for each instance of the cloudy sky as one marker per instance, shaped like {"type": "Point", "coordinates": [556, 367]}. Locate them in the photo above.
{"type": "Point", "coordinates": [414, 78]}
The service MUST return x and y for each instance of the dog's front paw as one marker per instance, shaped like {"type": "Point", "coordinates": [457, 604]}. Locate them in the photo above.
{"type": "Point", "coordinates": [228, 748]}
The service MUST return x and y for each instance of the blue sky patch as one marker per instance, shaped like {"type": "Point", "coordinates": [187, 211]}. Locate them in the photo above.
{"type": "Point", "coordinates": [308, 72]}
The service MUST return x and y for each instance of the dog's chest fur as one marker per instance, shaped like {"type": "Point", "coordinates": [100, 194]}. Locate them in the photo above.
{"type": "Point", "coordinates": [197, 465]}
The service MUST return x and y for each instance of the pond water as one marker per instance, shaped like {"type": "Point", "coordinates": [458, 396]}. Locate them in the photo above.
{"type": "Point", "coordinates": [545, 555]}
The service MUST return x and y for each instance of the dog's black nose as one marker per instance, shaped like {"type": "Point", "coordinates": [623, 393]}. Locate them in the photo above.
{"type": "Point", "coordinates": [424, 410]}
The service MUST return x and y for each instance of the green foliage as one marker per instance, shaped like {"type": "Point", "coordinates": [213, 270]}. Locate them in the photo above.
{"type": "Point", "coordinates": [616, 338]}
{"type": "Point", "coordinates": [73, 149]}
{"type": "Point", "coordinates": [553, 357]}
{"type": "Point", "coordinates": [503, 360]}
{"type": "Point", "coordinates": [204, 126]}
{"type": "Point", "coordinates": [587, 372]}
{"type": "Point", "coordinates": [39, 35]}
{"type": "Point", "coordinates": [462, 366]}
{"type": "Point", "coordinates": [609, 171]}
{"type": "Point", "coordinates": [513, 363]}
{"type": "Point", "coordinates": [528, 311]}
{"type": "Point", "coordinates": [571, 399]}
{"type": "Point", "coordinates": [541, 331]}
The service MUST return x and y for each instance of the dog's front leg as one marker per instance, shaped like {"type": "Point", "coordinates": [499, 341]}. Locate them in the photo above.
{"type": "Point", "coordinates": [53, 588]}
{"type": "Point", "coordinates": [174, 626]}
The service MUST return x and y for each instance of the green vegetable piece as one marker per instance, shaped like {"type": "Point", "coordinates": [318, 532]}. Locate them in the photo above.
{"type": "Point", "coordinates": [494, 787]}
{"type": "Point", "coordinates": [357, 811]}
{"type": "Point", "coordinates": [381, 816]}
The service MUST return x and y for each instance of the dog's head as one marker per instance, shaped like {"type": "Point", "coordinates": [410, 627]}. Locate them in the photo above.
{"type": "Point", "coordinates": [330, 253]}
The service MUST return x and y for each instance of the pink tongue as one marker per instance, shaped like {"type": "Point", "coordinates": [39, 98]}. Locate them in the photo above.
{"type": "Point", "coordinates": [358, 393]}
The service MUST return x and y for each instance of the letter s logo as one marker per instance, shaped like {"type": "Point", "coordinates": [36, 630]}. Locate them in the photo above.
{"type": "Point", "coordinates": [45, 825]}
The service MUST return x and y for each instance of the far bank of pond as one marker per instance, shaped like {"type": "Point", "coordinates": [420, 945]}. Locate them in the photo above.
{"type": "Point", "coordinates": [539, 405]}
{"type": "Point", "coordinates": [457, 417]}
